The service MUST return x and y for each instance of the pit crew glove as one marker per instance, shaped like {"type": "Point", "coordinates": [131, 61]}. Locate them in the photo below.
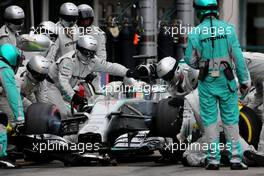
{"type": "Point", "coordinates": [89, 78]}
{"type": "Point", "coordinates": [77, 100]}
{"type": "Point", "coordinates": [132, 74]}
{"type": "Point", "coordinates": [244, 89]}
{"type": "Point", "coordinates": [18, 125]}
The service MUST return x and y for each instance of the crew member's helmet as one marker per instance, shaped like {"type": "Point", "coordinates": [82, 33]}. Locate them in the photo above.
{"type": "Point", "coordinates": [68, 14]}
{"type": "Point", "coordinates": [38, 67]}
{"type": "Point", "coordinates": [14, 17]}
{"type": "Point", "coordinates": [87, 47]}
{"type": "Point", "coordinates": [206, 8]}
{"type": "Point", "coordinates": [86, 15]}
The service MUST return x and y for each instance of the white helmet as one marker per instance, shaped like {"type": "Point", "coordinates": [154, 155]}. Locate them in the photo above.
{"type": "Point", "coordinates": [87, 47]}
{"type": "Point", "coordinates": [49, 29]}
{"type": "Point", "coordinates": [14, 17]}
{"type": "Point", "coordinates": [38, 66]}
{"type": "Point", "coordinates": [166, 68]}
{"type": "Point", "coordinates": [68, 14]}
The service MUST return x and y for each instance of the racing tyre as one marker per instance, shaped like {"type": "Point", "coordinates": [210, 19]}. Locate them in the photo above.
{"type": "Point", "coordinates": [42, 118]}
{"type": "Point", "coordinates": [249, 126]}
{"type": "Point", "coordinates": [168, 119]}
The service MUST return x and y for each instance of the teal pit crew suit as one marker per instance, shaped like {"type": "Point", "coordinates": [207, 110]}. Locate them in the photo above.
{"type": "Point", "coordinates": [9, 59]}
{"type": "Point", "coordinates": [216, 91]}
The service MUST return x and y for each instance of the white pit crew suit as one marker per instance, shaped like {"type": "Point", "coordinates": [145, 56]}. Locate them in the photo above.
{"type": "Point", "coordinates": [255, 63]}
{"type": "Point", "coordinates": [67, 39]}
{"type": "Point", "coordinates": [51, 53]}
{"type": "Point", "coordinates": [100, 37]}
{"type": "Point", "coordinates": [66, 73]}
{"type": "Point", "coordinates": [31, 90]}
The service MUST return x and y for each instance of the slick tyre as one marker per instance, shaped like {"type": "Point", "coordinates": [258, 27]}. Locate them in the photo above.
{"type": "Point", "coordinates": [168, 120]}
{"type": "Point", "coordinates": [42, 118]}
{"type": "Point", "coordinates": [249, 126]}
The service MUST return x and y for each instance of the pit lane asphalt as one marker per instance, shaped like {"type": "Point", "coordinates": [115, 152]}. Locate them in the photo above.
{"type": "Point", "coordinates": [125, 169]}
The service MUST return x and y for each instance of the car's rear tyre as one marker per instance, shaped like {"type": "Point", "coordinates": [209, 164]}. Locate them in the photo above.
{"type": "Point", "coordinates": [42, 118]}
{"type": "Point", "coordinates": [168, 119]}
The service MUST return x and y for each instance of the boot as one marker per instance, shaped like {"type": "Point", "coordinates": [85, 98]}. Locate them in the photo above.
{"type": "Point", "coordinates": [252, 156]}
{"type": "Point", "coordinates": [212, 167]}
{"type": "Point", "coordinates": [238, 166]}
{"type": "Point", "coordinates": [6, 163]}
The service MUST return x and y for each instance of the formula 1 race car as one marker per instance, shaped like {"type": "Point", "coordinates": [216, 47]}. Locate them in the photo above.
{"type": "Point", "coordinates": [114, 127]}
{"type": "Point", "coordinates": [101, 130]}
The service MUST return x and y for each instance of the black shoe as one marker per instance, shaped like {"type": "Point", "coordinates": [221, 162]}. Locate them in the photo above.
{"type": "Point", "coordinates": [248, 159]}
{"type": "Point", "coordinates": [212, 167]}
{"type": "Point", "coordinates": [238, 166]}
{"type": "Point", "coordinates": [252, 156]}
{"type": "Point", "coordinates": [6, 163]}
{"type": "Point", "coordinates": [184, 162]}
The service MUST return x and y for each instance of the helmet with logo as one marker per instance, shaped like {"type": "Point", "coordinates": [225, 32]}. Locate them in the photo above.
{"type": "Point", "coordinates": [206, 8]}
{"type": "Point", "coordinates": [166, 68]}
{"type": "Point", "coordinates": [68, 14]}
{"type": "Point", "coordinates": [49, 29]}
{"type": "Point", "coordinates": [14, 17]}
{"type": "Point", "coordinates": [38, 67]}
{"type": "Point", "coordinates": [87, 47]}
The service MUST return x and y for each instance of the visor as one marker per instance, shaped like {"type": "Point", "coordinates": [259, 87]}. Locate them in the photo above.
{"type": "Point", "coordinates": [86, 52]}
{"type": "Point", "coordinates": [86, 14]}
{"type": "Point", "coordinates": [69, 18]}
{"type": "Point", "coordinates": [16, 21]}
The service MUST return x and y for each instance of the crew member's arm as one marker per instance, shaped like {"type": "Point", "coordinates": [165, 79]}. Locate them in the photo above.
{"type": "Point", "coordinates": [41, 92]}
{"type": "Point", "coordinates": [114, 69]}
{"type": "Point", "coordinates": [65, 74]}
{"type": "Point", "coordinates": [13, 95]}
{"type": "Point", "coordinates": [192, 54]}
{"type": "Point", "coordinates": [237, 56]}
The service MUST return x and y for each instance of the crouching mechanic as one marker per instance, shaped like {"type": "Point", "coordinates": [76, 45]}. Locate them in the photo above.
{"type": "Point", "coordinates": [75, 66]}
{"type": "Point", "coordinates": [183, 81]}
{"type": "Point", "coordinates": [10, 99]}
{"type": "Point", "coordinates": [255, 64]}
{"type": "Point", "coordinates": [31, 81]}
{"type": "Point", "coordinates": [14, 17]}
